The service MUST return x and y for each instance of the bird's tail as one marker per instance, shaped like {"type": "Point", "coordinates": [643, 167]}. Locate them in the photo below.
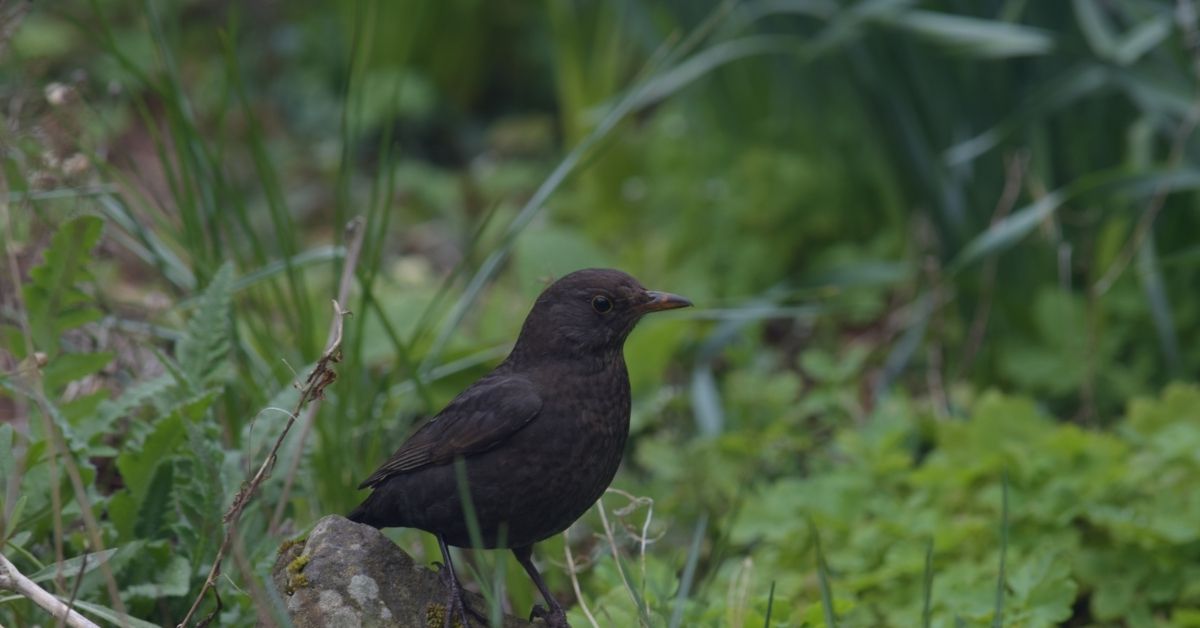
{"type": "Point", "coordinates": [363, 514]}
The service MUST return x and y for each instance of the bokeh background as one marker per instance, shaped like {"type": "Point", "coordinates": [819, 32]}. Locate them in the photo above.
{"type": "Point", "coordinates": [945, 256]}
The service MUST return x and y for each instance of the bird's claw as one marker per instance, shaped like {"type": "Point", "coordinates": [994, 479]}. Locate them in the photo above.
{"type": "Point", "coordinates": [456, 607]}
{"type": "Point", "coordinates": [556, 618]}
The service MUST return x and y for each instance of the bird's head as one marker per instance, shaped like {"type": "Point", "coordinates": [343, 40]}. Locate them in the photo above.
{"type": "Point", "coordinates": [590, 313]}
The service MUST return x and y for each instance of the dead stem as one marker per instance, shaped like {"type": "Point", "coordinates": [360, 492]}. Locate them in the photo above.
{"type": "Point", "coordinates": [354, 241]}
{"type": "Point", "coordinates": [313, 388]}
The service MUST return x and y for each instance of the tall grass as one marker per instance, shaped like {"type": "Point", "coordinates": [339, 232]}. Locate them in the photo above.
{"type": "Point", "coordinates": [905, 114]}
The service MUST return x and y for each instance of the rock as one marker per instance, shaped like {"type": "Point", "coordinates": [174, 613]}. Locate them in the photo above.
{"type": "Point", "coordinates": [347, 574]}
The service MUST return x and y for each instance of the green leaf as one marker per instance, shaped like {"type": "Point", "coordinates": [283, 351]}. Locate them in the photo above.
{"type": "Point", "coordinates": [81, 410]}
{"type": "Point", "coordinates": [1072, 86]}
{"type": "Point", "coordinates": [68, 367]}
{"type": "Point", "coordinates": [156, 502]}
{"type": "Point", "coordinates": [14, 517]}
{"type": "Point", "coordinates": [13, 341]}
{"type": "Point", "coordinates": [111, 616]}
{"type": "Point", "coordinates": [7, 459]}
{"type": "Point", "coordinates": [1150, 275]}
{"type": "Point", "coordinates": [1179, 404]}
{"type": "Point", "coordinates": [171, 580]}
{"type": "Point", "coordinates": [1003, 234]}
{"type": "Point", "coordinates": [122, 512]}
{"type": "Point", "coordinates": [109, 411]}
{"type": "Point", "coordinates": [1142, 39]}
{"type": "Point", "coordinates": [1097, 29]}
{"type": "Point", "coordinates": [971, 35]}
{"type": "Point", "coordinates": [202, 350]}
{"type": "Point", "coordinates": [72, 567]}
{"type": "Point", "coordinates": [137, 465]}
{"type": "Point", "coordinates": [53, 287]}
{"type": "Point", "coordinates": [199, 493]}
{"type": "Point", "coordinates": [706, 401]}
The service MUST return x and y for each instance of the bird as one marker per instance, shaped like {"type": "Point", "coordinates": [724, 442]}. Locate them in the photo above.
{"type": "Point", "coordinates": [532, 444]}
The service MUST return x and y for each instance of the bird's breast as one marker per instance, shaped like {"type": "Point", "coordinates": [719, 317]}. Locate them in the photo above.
{"type": "Point", "coordinates": [563, 460]}
{"type": "Point", "coordinates": [581, 430]}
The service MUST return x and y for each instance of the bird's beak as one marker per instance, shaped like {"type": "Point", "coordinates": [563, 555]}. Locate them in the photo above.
{"type": "Point", "coordinates": [663, 301]}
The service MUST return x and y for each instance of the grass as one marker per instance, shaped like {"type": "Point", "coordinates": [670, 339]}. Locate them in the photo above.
{"type": "Point", "coordinates": [887, 127]}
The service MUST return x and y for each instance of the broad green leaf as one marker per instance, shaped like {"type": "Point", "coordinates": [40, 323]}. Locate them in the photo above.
{"type": "Point", "coordinates": [68, 367]}
{"type": "Point", "coordinates": [122, 512]}
{"type": "Point", "coordinates": [1042, 589]}
{"type": "Point", "coordinates": [1178, 404]}
{"type": "Point", "coordinates": [137, 466]}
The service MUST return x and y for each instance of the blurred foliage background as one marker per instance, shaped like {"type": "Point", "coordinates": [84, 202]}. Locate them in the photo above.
{"type": "Point", "coordinates": [945, 256]}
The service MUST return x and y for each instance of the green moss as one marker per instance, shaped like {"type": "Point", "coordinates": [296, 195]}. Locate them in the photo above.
{"type": "Point", "coordinates": [435, 615]}
{"type": "Point", "coordinates": [295, 579]}
{"type": "Point", "coordinates": [287, 545]}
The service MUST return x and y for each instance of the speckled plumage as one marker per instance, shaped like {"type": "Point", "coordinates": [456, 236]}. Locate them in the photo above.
{"type": "Point", "coordinates": [539, 438]}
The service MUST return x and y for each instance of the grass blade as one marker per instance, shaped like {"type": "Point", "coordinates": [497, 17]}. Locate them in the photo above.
{"type": "Point", "coordinates": [823, 579]}
{"type": "Point", "coordinates": [927, 606]}
{"type": "Point", "coordinates": [689, 572]}
{"type": "Point", "coordinates": [652, 90]}
{"type": "Point", "coordinates": [770, 605]}
{"type": "Point", "coordinates": [1004, 233]}
{"type": "Point", "coordinates": [985, 38]}
{"type": "Point", "coordinates": [1150, 275]}
{"type": "Point", "coordinates": [998, 616]}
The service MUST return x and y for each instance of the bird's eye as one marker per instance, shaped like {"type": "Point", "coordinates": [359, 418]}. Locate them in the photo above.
{"type": "Point", "coordinates": [601, 304]}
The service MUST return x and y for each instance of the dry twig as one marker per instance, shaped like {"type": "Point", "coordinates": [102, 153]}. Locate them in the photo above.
{"type": "Point", "coordinates": [354, 242]}
{"type": "Point", "coordinates": [1014, 176]}
{"type": "Point", "coordinates": [15, 581]}
{"type": "Point", "coordinates": [573, 571]}
{"type": "Point", "coordinates": [313, 389]}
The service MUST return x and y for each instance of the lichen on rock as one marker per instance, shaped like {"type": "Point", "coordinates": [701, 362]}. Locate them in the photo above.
{"type": "Point", "coordinates": [348, 574]}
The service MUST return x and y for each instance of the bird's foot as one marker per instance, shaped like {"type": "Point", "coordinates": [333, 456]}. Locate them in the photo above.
{"type": "Point", "coordinates": [556, 618]}
{"type": "Point", "coordinates": [457, 608]}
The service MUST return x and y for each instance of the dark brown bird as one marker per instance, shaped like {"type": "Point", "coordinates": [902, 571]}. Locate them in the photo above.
{"type": "Point", "coordinates": [537, 440]}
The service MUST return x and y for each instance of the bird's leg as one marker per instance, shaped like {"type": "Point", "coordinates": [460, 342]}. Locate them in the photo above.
{"type": "Point", "coordinates": [457, 605]}
{"type": "Point", "coordinates": [556, 617]}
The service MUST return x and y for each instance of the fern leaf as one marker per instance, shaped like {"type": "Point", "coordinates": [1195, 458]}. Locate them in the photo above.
{"type": "Point", "coordinates": [53, 299]}
{"type": "Point", "coordinates": [206, 342]}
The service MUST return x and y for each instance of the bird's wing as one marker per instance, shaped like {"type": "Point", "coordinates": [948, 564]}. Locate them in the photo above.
{"type": "Point", "coordinates": [480, 418]}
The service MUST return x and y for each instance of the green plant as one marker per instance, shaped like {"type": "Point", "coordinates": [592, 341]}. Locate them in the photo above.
{"type": "Point", "coordinates": [934, 244]}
